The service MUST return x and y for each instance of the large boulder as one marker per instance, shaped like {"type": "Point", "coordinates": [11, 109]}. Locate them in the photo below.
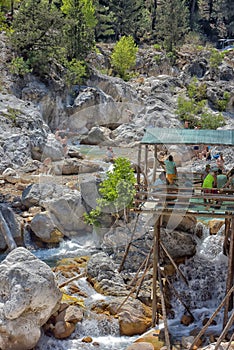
{"type": "Point", "coordinates": [64, 210]}
{"type": "Point", "coordinates": [28, 296]}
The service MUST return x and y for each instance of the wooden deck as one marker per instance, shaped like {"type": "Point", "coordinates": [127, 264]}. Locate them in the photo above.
{"type": "Point", "coordinates": [181, 201]}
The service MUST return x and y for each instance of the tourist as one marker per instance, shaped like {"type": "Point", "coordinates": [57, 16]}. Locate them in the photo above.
{"type": "Point", "coordinates": [210, 182]}
{"type": "Point", "coordinates": [186, 124]}
{"type": "Point", "coordinates": [206, 171]}
{"type": "Point", "coordinates": [220, 161]}
{"type": "Point", "coordinates": [230, 181]}
{"type": "Point", "coordinates": [171, 171]}
{"type": "Point", "coordinates": [160, 182]}
{"type": "Point", "coordinates": [110, 154]}
{"type": "Point", "coordinates": [221, 179]}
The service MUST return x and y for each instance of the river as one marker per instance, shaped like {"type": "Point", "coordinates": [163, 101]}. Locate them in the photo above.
{"type": "Point", "coordinates": [206, 273]}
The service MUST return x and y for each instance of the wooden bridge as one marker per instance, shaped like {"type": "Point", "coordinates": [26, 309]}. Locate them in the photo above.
{"type": "Point", "coordinates": [180, 200]}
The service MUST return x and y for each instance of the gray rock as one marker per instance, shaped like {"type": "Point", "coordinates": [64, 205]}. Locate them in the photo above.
{"type": "Point", "coordinates": [102, 271]}
{"type": "Point", "coordinates": [29, 296]}
{"type": "Point", "coordinates": [12, 224]}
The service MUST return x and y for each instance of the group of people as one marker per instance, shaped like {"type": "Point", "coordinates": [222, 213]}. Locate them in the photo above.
{"type": "Point", "coordinates": [213, 178]}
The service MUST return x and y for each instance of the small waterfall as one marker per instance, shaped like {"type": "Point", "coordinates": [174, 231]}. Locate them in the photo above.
{"type": "Point", "coordinates": [206, 273]}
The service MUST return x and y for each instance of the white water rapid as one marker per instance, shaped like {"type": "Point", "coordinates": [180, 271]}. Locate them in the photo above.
{"type": "Point", "coordinates": [205, 272]}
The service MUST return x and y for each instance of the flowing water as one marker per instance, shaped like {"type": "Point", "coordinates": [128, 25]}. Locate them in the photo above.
{"type": "Point", "coordinates": [206, 273]}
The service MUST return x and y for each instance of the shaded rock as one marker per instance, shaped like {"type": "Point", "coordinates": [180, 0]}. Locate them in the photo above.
{"type": "Point", "coordinates": [13, 225]}
{"type": "Point", "coordinates": [103, 275]}
{"type": "Point", "coordinates": [44, 228]}
{"type": "Point", "coordinates": [30, 297]}
{"type": "Point", "coordinates": [180, 223]}
{"type": "Point", "coordinates": [63, 330]}
{"type": "Point", "coordinates": [179, 244]}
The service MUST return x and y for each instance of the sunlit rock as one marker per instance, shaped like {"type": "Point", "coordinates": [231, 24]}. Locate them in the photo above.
{"type": "Point", "coordinates": [29, 295]}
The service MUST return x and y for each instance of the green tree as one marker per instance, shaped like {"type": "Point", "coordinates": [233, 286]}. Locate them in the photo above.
{"type": "Point", "coordinates": [124, 55]}
{"type": "Point", "coordinates": [211, 121]}
{"type": "Point", "coordinates": [117, 18]}
{"type": "Point", "coordinates": [172, 23]}
{"type": "Point", "coordinates": [79, 27]}
{"type": "Point", "coordinates": [117, 190]}
{"type": "Point", "coordinates": [36, 33]}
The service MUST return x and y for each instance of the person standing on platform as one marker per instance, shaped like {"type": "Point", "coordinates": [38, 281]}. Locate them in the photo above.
{"type": "Point", "coordinates": [171, 171]}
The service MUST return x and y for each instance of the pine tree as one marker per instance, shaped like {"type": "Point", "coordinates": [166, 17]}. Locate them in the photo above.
{"type": "Point", "coordinates": [36, 32]}
{"type": "Point", "coordinates": [128, 16]}
{"type": "Point", "coordinates": [173, 23]}
{"type": "Point", "coordinates": [79, 27]}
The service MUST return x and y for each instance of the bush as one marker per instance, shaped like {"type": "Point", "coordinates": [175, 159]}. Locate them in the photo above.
{"type": "Point", "coordinates": [76, 72]}
{"type": "Point", "coordinates": [123, 57]}
{"type": "Point", "coordinates": [216, 58]}
{"type": "Point", "coordinates": [221, 104]}
{"type": "Point", "coordinates": [211, 121]}
{"type": "Point", "coordinates": [20, 67]}
{"type": "Point", "coordinates": [117, 191]}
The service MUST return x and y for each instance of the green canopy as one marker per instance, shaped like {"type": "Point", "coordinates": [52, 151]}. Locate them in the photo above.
{"type": "Point", "coordinates": [154, 136]}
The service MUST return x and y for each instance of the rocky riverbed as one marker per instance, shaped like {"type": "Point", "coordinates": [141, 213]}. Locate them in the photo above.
{"type": "Point", "coordinates": [46, 188]}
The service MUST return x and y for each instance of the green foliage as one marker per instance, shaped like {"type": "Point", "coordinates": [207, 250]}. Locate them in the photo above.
{"type": "Point", "coordinates": [172, 23]}
{"type": "Point", "coordinates": [76, 72]}
{"type": "Point", "coordinates": [117, 191]}
{"type": "Point", "coordinates": [91, 218]}
{"type": "Point", "coordinates": [117, 18]}
{"type": "Point", "coordinates": [189, 109]}
{"type": "Point", "coordinates": [124, 55]}
{"type": "Point", "coordinates": [158, 47]}
{"type": "Point", "coordinates": [20, 67]}
{"type": "Point", "coordinates": [216, 58]}
{"type": "Point", "coordinates": [78, 29]}
{"type": "Point", "coordinates": [221, 104]}
{"type": "Point", "coordinates": [197, 91]}
{"type": "Point", "coordinates": [211, 121]}
{"type": "Point", "coordinates": [36, 33]}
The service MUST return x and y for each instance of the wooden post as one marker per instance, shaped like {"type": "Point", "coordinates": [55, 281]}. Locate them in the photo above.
{"type": "Point", "coordinates": [146, 162]}
{"type": "Point", "coordinates": [167, 337]}
{"type": "Point", "coordinates": [155, 271]}
{"type": "Point", "coordinates": [155, 164]}
{"type": "Point", "coordinates": [230, 275]}
{"type": "Point", "coordinates": [139, 165]}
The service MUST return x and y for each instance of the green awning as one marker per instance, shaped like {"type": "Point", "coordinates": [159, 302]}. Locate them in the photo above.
{"type": "Point", "coordinates": [154, 136]}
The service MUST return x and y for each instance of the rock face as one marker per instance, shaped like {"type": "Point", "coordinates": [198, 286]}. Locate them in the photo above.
{"type": "Point", "coordinates": [22, 131]}
{"type": "Point", "coordinates": [28, 296]}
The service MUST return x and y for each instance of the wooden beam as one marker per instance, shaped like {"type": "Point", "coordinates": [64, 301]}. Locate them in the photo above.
{"type": "Point", "coordinates": [146, 162]}
{"type": "Point", "coordinates": [155, 164]}
{"type": "Point", "coordinates": [230, 275]}
{"type": "Point", "coordinates": [139, 165]}
{"type": "Point", "coordinates": [156, 246]}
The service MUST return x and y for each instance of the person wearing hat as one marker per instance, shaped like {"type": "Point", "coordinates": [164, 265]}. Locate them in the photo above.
{"type": "Point", "coordinates": [210, 182]}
